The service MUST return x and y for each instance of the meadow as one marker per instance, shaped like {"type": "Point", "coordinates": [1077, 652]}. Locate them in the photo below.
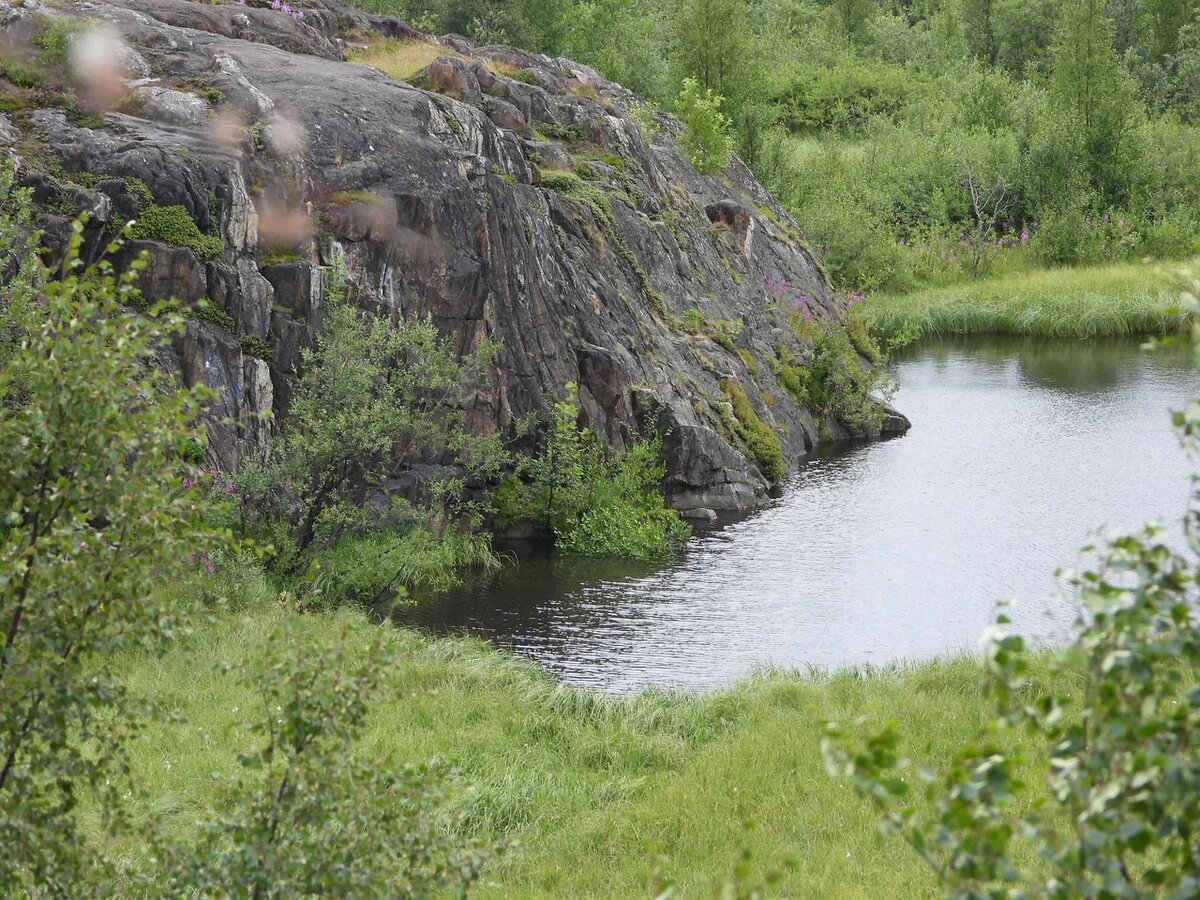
{"type": "Point", "coordinates": [599, 796]}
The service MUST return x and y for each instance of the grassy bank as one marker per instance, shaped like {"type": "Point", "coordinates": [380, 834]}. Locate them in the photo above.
{"type": "Point", "coordinates": [1099, 301]}
{"type": "Point", "coordinates": [605, 797]}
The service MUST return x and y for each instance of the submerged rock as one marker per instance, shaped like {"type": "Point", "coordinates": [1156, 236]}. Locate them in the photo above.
{"type": "Point", "coordinates": [510, 196]}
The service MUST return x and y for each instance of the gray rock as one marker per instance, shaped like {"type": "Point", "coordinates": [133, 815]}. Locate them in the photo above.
{"type": "Point", "coordinates": [173, 107]}
{"type": "Point", "coordinates": [429, 199]}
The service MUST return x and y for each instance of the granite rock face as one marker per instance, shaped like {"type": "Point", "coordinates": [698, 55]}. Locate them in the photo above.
{"type": "Point", "coordinates": [509, 196]}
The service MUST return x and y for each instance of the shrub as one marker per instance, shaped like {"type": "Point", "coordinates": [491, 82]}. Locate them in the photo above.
{"type": "Point", "coordinates": [846, 96]}
{"type": "Point", "coordinates": [174, 225]}
{"type": "Point", "coordinates": [594, 502]}
{"type": "Point", "coordinates": [96, 516]}
{"type": "Point", "coordinates": [374, 398]}
{"type": "Point", "coordinates": [758, 437]}
{"type": "Point", "coordinates": [705, 138]}
{"type": "Point", "coordinates": [1169, 240]}
{"type": "Point", "coordinates": [833, 380]}
{"type": "Point", "coordinates": [307, 815]}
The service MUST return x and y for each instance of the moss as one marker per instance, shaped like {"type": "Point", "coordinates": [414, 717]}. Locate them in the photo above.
{"type": "Point", "coordinates": [733, 273]}
{"type": "Point", "coordinates": [174, 225]}
{"type": "Point", "coordinates": [748, 361]}
{"type": "Point", "coordinates": [570, 185]}
{"type": "Point", "coordinates": [758, 437]}
{"type": "Point", "coordinates": [138, 188]}
{"type": "Point", "coordinates": [206, 312]}
{"type": "Point", "coordinates": [280, 257]}
{"type": "Point", "coordinates": [657, 301]}
{"type": "Point", "coordinates": [552, 131]}
{"type": "Point", "coordinates": [347, 198]}
{"type": "Point", "coordinates": [213, 96]}
{"type": "Point", "coordinates": [253, 345]}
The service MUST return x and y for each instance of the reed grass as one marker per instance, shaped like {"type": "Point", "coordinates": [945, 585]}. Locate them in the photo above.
{"type": "Point", "coordinates": [1097, 301]}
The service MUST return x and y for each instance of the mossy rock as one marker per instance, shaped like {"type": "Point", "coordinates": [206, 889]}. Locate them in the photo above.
{"type": "Point", "coordinates": [174, 225]}
{"type": "Point", "coordinates": [758, 437]}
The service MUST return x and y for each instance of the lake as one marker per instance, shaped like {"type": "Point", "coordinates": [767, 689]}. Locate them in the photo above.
{"type": "Point", "coordinates": [1020, 451]}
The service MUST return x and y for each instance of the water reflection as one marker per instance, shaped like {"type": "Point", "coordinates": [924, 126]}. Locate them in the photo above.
{"type": "Point", "coordinates": [881, 551]}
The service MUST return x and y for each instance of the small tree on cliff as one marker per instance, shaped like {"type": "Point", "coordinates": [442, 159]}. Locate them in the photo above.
{"type": "Point", "coordinates": [706, 135]}
{"type": "Point", "coordinates": [375, 396]}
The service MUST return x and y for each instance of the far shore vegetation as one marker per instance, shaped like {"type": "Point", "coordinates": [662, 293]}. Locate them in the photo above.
{"type": "Point", "coordinates": [1120, 299]}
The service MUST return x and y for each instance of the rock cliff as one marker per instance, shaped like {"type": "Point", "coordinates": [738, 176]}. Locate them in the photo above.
{"type": "Point", "coordinates": [510, 196]}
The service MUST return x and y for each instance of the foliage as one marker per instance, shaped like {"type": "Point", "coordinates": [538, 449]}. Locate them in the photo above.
{"type": "Point", "coordinates": [174, 225]}
{"type": "Point", "coordinates": [1101, 301]}
{"type": "Point", "coordinates": [756, 434]}
{"type": "Point", "coordinates": [372, 569]}
{"type": "Point", "coordinates": [95, 514]}
{"type": "Point", "coordinates": [594, 502]}
{"type": "Point", "coordinates": [833, 379]}
{"type": "Point", "coordinates": [375, 398]}
{"type": "Point", "coordinates": [307, 814]}
{"type": "Point", "coordinates": [20, 270]}
{"type": "Point", "coordinates": [706, 129]}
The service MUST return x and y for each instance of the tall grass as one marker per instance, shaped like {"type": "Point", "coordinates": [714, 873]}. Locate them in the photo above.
{"type": "Point", "coordinates": [607, 797]}
{"type": "Point", "coordinates": [1098, 301]}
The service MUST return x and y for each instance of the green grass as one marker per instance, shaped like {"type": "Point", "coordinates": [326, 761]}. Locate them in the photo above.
{"type": "Point", "coordinates": [1099, 301]}
{"type": "Point", "coordinates": [604, 796]}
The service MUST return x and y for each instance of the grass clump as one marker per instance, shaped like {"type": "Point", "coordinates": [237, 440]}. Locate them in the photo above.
{"type": "Point", "coordinates": [758, 437]}
{"type": "Point", "coordinates": [366, 570]}
{"type": "Point", "coordinates": [279, 257]}
{"type": "Point", "coordinates": [1093, 301]}
{"type": "Point", "coordinates": [402, 60]}
{"type": "Point", "coordinates": [570, 185]}
{"type": "Point", "coordinates": [174, 225]}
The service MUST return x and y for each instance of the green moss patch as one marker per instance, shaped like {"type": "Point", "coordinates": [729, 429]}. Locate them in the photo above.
{"type": "Point", "coordinates": [174, 225]}
{"type": "Point", "coordinates": [758, 437]}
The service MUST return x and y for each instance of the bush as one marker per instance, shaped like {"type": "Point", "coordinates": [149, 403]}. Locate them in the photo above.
{"type": "Point", "coordinates": [846, 96]}
{"type": "Point", "coordinates": [594, 502]}
{"type": "Point", "coordinates": [375, 398]}
{"type": "Point", "coordinates": [705, 138]}
{"type": "Point", "coordinates": [1169, 240]}
{"type": "Point", "coordinates": [1064, 237]}
{"type": "Point", "coordinates": [309, 816]}
{"type": "Point", "coordinates": [97, 516]}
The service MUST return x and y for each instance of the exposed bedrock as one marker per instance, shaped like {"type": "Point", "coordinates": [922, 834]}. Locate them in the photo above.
{"type": "Point", "coordinates": [510, 196]}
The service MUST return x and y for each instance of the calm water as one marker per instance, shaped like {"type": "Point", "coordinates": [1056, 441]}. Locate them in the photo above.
{"type": "Point", "coordinates": [899, 550]}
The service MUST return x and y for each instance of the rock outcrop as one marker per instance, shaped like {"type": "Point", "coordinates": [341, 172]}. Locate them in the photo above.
{"type": "Point", "coordinates": [510, 196]}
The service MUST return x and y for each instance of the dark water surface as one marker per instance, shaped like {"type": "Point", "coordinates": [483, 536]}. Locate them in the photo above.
{"type": "Point", "coordinates": [1019, 452]}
